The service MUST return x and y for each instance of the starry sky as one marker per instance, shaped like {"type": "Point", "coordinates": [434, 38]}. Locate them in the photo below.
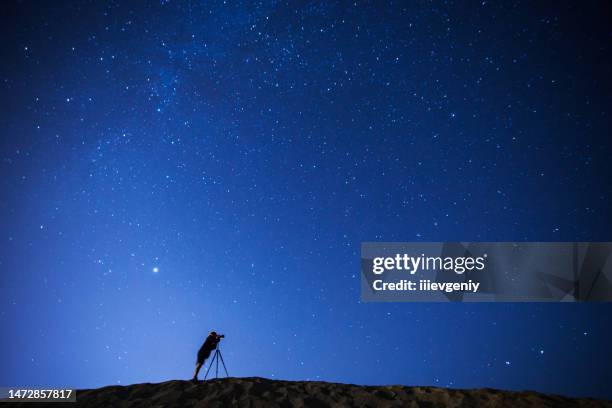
{"type": "Point", "coordinates": [169, 168]}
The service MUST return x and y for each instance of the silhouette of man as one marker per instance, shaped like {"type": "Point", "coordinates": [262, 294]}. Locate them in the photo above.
{"type": "Point", "coordinates": [209, 345]}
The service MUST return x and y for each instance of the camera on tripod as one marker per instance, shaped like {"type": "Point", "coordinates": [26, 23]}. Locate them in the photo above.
{"type": "Point", "coordinates": [216, 358]}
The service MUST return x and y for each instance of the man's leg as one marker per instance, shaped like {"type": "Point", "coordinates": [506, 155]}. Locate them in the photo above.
{"type": "Point", "coordinates": [197, 369]}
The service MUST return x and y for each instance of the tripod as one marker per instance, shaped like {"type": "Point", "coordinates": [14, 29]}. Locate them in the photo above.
{"type": "Point", "coordinates": [216, 357]}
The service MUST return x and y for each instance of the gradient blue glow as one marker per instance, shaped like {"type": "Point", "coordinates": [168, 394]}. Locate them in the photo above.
{"type": "Point", "coordinates": [175, 167]}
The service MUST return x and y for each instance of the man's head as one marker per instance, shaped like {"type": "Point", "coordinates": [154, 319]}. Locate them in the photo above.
{"type": "Point", "coordinates": [213, 333]}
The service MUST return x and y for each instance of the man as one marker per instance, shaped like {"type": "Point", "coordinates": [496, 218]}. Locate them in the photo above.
{"type": "Point", "coordinates": [209, 345]}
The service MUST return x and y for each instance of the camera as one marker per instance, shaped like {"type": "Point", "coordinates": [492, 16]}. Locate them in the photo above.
{"type": "Point", "coordinates": [222, 336]}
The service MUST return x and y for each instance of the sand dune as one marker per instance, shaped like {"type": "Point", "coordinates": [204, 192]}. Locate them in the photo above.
{"type": "Point", "coordinates": [261, 392]}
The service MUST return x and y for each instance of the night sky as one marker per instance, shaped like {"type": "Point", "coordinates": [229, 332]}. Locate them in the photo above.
{"type": "Point", "coordinates": [169, 168]}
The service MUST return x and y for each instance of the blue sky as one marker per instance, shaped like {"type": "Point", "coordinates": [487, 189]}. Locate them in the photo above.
{"type": "Point", "coordinates": [175, 167]}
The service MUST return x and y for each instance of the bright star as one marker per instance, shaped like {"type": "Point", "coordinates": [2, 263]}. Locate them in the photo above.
{"type": "Point", "coordinates": [155, 269]}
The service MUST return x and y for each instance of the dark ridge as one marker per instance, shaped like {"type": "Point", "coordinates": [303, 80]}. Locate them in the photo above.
{"type": "Point", "coordinates": [262, 392]}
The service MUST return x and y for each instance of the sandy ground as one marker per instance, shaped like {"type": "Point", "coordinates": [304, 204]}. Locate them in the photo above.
{"type": "Point", "coordinates": [261, 392]}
